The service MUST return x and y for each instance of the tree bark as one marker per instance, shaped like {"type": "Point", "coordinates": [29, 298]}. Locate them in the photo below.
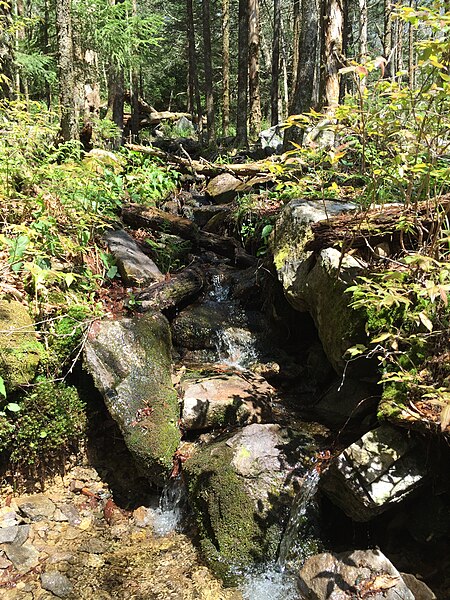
{"type": "Point", "coordinates": [155, 219]}
{"type": "Point", "coordinates": [207, 54]}
{"type": "Point", "coordinates": [253, 70]}
{"type": "Point", "coordinates": [68, 123]}
{"type": "Point", "coordinates": [297, 27]}
{"type": "Point", "coordinates": [275, 84]}
{"type": "Point", "coordinates": [241, 122]}
{"type": "Point", "coordinates": [179, 289]}
{"type": "Point", "coordinates": [6, 52]}
{"type": "Point", "coordinates": [362, 54]}
{"type": "Point", "coordinates": [303, 97]}
{"type": "Point", "coordinates": [225, 66]}
{"type": "Point", "coordinates": [332, 52]}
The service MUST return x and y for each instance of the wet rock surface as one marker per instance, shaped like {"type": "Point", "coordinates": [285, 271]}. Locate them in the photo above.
{"type": "Point", "coordinates": [358, 574]}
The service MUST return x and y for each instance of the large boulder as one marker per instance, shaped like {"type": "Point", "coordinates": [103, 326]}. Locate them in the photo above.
{"type": "Point", "coordinates": [225, 399]}
{"type": "Point", "coordinates": [315, 282]}
{"type": "Point", "coordinates": [354, 574]}
{"type": "Point", "coordinates": [240, 487]}
{"type": "Point", "coordinates": [223, 188]}
{"type": "Point", "coordinates": [379, 470]}
{"type": "Point", "coordinates": [19, 349]}
{"type": "Point", "coordinates": [130, 361]}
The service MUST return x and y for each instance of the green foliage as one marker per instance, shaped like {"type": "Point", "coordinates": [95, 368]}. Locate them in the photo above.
{"type": "Point", "coordinates": [50, 420]}
{"type": "Point", "coordinates": [407, 321]}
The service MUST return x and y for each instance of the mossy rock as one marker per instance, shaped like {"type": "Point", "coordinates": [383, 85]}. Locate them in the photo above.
{"type": "Point", "coordinates": [20, 351]}
{"type": "Point", "coordinates": [130, 361]}
{"type": "Point", "coordinates": [241, 489]}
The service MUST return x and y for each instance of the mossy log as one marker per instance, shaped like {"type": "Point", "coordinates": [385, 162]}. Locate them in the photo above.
{"type": "Point", "coordinates": [179, 289]}
{"type": "Point", "coordinates": [157, 220]}
{"type": "Point", "coordinates": [400, 226]}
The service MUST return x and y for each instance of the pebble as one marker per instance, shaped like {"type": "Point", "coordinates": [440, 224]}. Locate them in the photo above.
{"type": "Point", "coordinates": [36, 508]}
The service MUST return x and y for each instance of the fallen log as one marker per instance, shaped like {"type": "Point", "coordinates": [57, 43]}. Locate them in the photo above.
{"type": "Point", "coordinates": [400, 226]}
{"type": "Point", "coordinates": [199, 167]}
{"type": "Point", "coordinates": [155, 219]}
{"type": "Point", "coordinates": [175, 291]}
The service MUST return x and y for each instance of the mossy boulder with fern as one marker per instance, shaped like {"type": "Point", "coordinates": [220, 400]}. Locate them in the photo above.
{"type": "Point", "coordinates": [20, 351]}
{"type": "Point", "coordinates": [130, 362]}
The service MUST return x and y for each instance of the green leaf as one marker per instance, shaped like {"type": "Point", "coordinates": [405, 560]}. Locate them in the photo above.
{"type": "Point", "coordinates": [2, 387]}
{"type": "Point", "coordinates": [13, 407]}
{"type": "Point", "coordinates": [267, 230]}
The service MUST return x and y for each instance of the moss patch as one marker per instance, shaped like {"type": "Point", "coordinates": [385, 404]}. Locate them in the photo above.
{"type": "Point", "coordinates": [19, 349]}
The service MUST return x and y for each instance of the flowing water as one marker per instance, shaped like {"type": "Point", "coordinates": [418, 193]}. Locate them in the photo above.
{"type": "Point", "coordinates": [171, 510]}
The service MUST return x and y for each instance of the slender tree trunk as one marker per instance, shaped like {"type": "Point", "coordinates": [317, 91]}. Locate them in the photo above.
{"type": "Point", "coordinates": [411, 61]}
{"type": "Point", "coordinates": [194, 91]}
{"type": "Point", "coordinates": [18, 34]}
{"type": "Point", "coordinates": [242, 107]}
{"type": "Point", "coordinates": [207, 54]}
{"type": "Point", "coordinates": [275, 84]}
{"type": "Point", "coordinates": [134, 91]}
{"type": "Point", "coordinates": [48, 91]}
{"type": "Point", "coordinates": [225, 66]}
{"type": "Point", "coordinates": [387, 42]}
{"type": "Point", "coordinates": [297, 27]}
{"type": "Point", "coordinates": [6, 51]}
{"type": "Point", "coordinates": [253, 69]}
{"type": "Point", "coordinates": [362, 54]}
{"type": "Point", "coordinates": [284, 61]}
{"type": "Point", "coordinates": [68, 124]}
{"type": "Point", "coordinates": [332, 52]}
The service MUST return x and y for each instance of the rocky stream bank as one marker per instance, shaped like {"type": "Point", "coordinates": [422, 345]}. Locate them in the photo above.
{"type": "Point", "coordinates": [230, 376]}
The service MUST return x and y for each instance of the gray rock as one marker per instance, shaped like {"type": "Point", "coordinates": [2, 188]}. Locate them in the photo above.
{"type": "Point", "coordinates": [56, 583]}
{"type": "Point", "coordinates": [377, 471]}
{"type": "Point", "coordinates": [24, 557]}
{"type": "Point", "coordinates": [346, 402]}
{"type": "Point", "coordinates": [225, 400]}
{"type": "Point", "coordinates": [315, 283]}
{"type": "Point", "coordinates": [72, 513]}
{"type": "Point", "coordinates": [37, 508]}
{"type": "Point", "coordinates": [134, 266]}
{"type": "Point", "coordinates": [130, 361]}
{"type": "Point", "coordinates": [358, 573]}
{"type": "Point", "coordinates": [223, 188]}
{"type": "Point", "coordinates": [420, 589]}
{"type": "Point", "coordinates": [202, 214]}
{"type": "Point", "coordinates": [184, 127]}
{"type": "Point", "coordinates": [8, 534]}
{"type": "Point", "coordinates": [272, 138]}
{"type": "Point", "coordinates": [4, 562]}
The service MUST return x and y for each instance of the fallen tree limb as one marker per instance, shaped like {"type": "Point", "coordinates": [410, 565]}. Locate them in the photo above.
{"type": "Point", "coordinates": [205, 168]}
{"type": "Point", "coordinates": [400, 226]}
{"type": "Point", "coordinates": [155, 219]}
{"type": "Point", "coordinates": [175, 291]}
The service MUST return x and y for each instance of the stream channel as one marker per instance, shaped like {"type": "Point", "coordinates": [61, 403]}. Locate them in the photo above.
{"type": "Point", "coordinates": [261, 415]}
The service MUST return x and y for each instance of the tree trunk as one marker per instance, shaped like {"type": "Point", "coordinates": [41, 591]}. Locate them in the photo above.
{"type": "Point", "coordinates": [6, 52]}
{"type": "Point", "coordinates": [68, 124]}
{"type": "Point", "coordinates": [48, 91]}
{"type": "Point", "coordinates": [207, 54]}
{"type": "Point", "coordinates": [241, 122]}
{"type": "Point", "coordinates": [332, 52]}
{"type": "Point", "coordinates": [225, 66]}
{"type": "Point", "coordinates": [297, 27]}
{"type": "Point", "coordinates": [253, 69]}
{"type": "Point", "coordinates": [275, 85]}
{"type": "Point", "coordinates": [134, 91]}
{"type": "Point", "coordinates": [303, 97]}
{"type": "Point", "coordinates": [177, 290]}
{"type": "Point", "coordinates": [362, 54]}
{"type": "Point", "coordinates": [387, 41]}
{"type": "Point", "coordinates": [116, 95]}
{"type": "Point", "coordinates": [194, 91]}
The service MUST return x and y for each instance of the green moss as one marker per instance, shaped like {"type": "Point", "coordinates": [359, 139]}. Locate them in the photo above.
{"type": "Point", "coordinates": [50, 420]}
{"type": "Point", "coordinates": [392, 403]}
{"type": "Point", "coordinates": [20, 351]}
{"type": "Point", "coordinates": [230, 537]}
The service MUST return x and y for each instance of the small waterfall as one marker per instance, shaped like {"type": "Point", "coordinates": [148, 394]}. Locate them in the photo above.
{"type": "Point", "coordinates": [236, 347]}
{"type": "Point", "coordinates": [271, 584]}
{"type": "Point", "coordinates": [169, 514]}
{"type": "Point", "coordinates": [292, 543]}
